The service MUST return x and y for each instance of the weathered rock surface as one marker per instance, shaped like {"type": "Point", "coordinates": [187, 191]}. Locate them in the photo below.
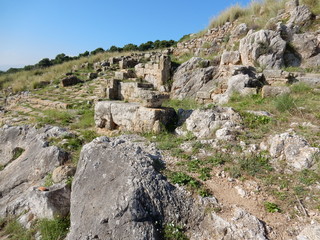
{"type": "Point", "coordinates": [62, 173]}
{"type": "Point", "coordinates": [243, 225]}
{"type": "Point", "coordinates": [131, 117]}
{"type": "Point", "coordinates": [273, 91]}
{"type": "Point", "coordinates": [230, 58]}
{"type": "Point", "coordinates": [190, 77]}
{"type": "Point", "coordinates": [70, 80]}
{"type": "Point", "coordinates": [295, 150]}
{"type": "Point", "coordinates": [33, 160]}
{"type": "Point", "coordinates": [52, 203]}
{"type": "Point", "coordinates": [131, 200]}
{"type": "Point", "coordinates": [310, 232]}
{"type": "Point", "coordinates": [205, 123]}
{"type": "Point", "coordinates": [157, 72]}
{"type": "Point", "coordinates": [264, 47]}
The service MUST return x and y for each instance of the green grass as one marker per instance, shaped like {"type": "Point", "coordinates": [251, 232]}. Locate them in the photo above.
{"type": "Point", "coordinates": [12, 228]}
{"type": "Point", "coordinates": [272, 207]}
{"type": "Point", "coordinates": [284, 103]}
{"type": "Point", "coordinates": [17, 152]}
{"type": "Point", "coordinates": [48, 182]}
{"type": "Point", "coordinates": [55, 229]}
{"type": "Point", "coordinates": [56, 117]}
{"type": "Point", "coordinates": [185, 104]}
{"type": "Point", "coordinates": [174, 232]}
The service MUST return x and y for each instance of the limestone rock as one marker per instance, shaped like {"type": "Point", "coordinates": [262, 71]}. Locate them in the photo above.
{"type": "Point", "coordinates": [311, 79]}
{"type": "Point", "coordinates": [190, 77]}
{"type": "Point", "coordinates": [157, 72]}
{"type": "Point", "coordinates": [240, 31]}
{"type": "Point", "coordinates": [264, 47]}
{"type": "Point", "coordinates": [243, 225]}
{"type": "Point", "coordinates": [131, 117]}
{"type": "Point", "coordinates": [70, 80]}
{"type": "Point", "coordinates": [92, 75]}
{"type": "Point", "coordinates": [230, 58]}
{"type": "Point", "coordinates": [62, 173]}
{"type": "Point", "coordinates": [310, 232]}
{"type": "Point", "coordinates": [25, 170]}
{"type": "Point", "coordinates": [291, 5]}
{"type": "Point", "coordinates": [52, 203]}
{"type": "Point", "coordinates": [292, 148]}
{"type": "Point", "coordinates": [273, 91]}
{"type": "Point", "coordinates": [306, 44]}
{"type": "Point", "coordinates": [204, 123]}
{"type": "Point", "coordinates": [300, 16]}
{"type": "Point", "coordinates": [131, 200]}
{"type": "Point", "coordinates": [152, 99]}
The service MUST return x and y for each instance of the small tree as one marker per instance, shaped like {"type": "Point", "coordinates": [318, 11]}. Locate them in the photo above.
{"type": "Point", "coordinates": [46, 62]}
{"type": "Point", "coordinates": [98, 50]}
{"type": "Point", "coordinates": [130, 47]}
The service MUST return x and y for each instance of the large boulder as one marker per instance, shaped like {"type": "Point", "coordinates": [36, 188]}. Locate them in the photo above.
{"type": "Point", "coordinates": [190, 77]}
{"type": "Point", "coordinates": [131, 117]}
{"type": "Point", "coordinates": [306, 44]}
{"type": "Point", "coordinates": [265, 48]}
{"type": "Point", "coordinates": [205, 123]}
{"type": "Point", "coordinates": [131, 199]}
{"type": "Point", "coordinates": [300, 16]}
{"type": "Point", "coordinates": [26, 158]}
{"type": "Point", "coordinates": [295, 150]}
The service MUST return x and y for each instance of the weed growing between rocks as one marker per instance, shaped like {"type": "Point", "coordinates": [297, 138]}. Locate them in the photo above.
{"type": "Point", "coordinates": [55, 229]}
{"type": "Point", "coordinates": [11, 228]}
{"type": "Point", "coordinates": [174, 232]}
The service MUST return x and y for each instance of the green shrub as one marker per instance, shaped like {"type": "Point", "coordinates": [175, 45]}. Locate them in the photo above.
{"type": "Point", "coordinates": [183, 179]}
{"type": "Point", "coordinates": [300, 88]}
{"type": "Point", "coordinates": [48, 180]}
{"type": "Point", "coordinates": [16, 152]}
{"type": "Point", "coordinates": [55, 229]}
{"type": "Point", "coordinates": [284, 103]}
{"type": "Point", "coordinates": [186, 104]}
{"type": "Point", "coordinates": [174, 232]}
{"type": "Point", "coordinates": [256, 164]}
{"type": "Point", "coordinates": [254, 121]}
{"type": "Point", "coordinates": [11, 227]}
{"type": "Point", "coordinates": [271, 207]}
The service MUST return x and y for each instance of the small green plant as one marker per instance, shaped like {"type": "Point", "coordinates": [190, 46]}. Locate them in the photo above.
{"type": "Point", "coordinates": [255, 164]}
{"type": "Point", "coordinates": [48, 180]}
{"type": "Point", "coordinates": [17, 152]}
{"type": "Point", "coordinates": [172, 231]}
{"type": "Point", "coordinates": [300, 88]}
{"type": "Point", "coordinates": [284, 103]}
{"type": "Point", "coordinates": [11, 227]}
{"type": "Point", "coordinates": [204, 173]}
{"type": "Point", "coordinates": [184, 179]}
{"type": "Point", "coordinates": [254, 121]}
{"type": "Point", "coordinates": [272, 207]}
{"type": "Point", "coordinates": [55, 229]}
{"type": "Point", "coordinates": [186, 104]}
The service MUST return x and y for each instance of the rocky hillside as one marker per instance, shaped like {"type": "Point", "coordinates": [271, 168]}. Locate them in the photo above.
{"type": "Point", "coordinates": [217, 138]}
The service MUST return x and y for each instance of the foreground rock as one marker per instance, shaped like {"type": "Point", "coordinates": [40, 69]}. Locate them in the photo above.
{"type": "Point", "coordinates": [132, 117]}
{"type": "Point", "coordinates": [131, 200]}
{"type": "Point", "coordinates": [26, 158]}
{"type": "Point", "coordinates": [134, 201]}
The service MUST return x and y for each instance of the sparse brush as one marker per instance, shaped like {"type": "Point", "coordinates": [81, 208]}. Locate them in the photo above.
{"type": "Point", "coordinates": [229, 15]}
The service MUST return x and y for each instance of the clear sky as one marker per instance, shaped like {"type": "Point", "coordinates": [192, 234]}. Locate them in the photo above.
{"type": "Point", "coordinates": [31, 30]}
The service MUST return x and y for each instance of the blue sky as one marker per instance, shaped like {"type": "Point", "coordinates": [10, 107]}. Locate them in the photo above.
{"type": "Point", "coordinates": [35, 29]}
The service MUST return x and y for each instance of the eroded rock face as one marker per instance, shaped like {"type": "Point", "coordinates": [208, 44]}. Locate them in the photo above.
{"type": "Point", "coordinates": [205, 123]}
{"type": "Point", "coordinates": [264, 47]}
{"type": "Point", "coordinates": [131, 117]}
{"type": "Point", "coordinates": [190, 77]}
{"type": "Point", "coordinates": [27, 168]}
{"type": "Point", "coordinates": [131, 200]}
{"type": "Point", "coordinates": [310, 232]}
{"type": "Point", "coordinates": [292, 148]}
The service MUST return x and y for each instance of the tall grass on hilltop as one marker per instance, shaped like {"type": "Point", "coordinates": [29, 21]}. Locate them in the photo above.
{"type": "Point", "coordinates": [259, 11]}
{"type": "Point", "coordinates": [25, 80]}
